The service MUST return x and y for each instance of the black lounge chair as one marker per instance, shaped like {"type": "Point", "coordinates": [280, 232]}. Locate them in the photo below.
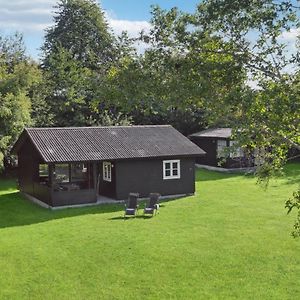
{"type": "Point", "coordinates": [131, 207]}
{"type": "Point", "coordinates": [152, 205]}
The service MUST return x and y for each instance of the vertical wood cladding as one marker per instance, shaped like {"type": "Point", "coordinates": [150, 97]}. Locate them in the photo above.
{"type": "Point", "coordinates": [62, 198]}
{"type": "Point", "coordinates": [146, 176]}
{"type": "Point", "coordinates": [28, 169]}
{"type": "Point", "coordinates": [209, 145]}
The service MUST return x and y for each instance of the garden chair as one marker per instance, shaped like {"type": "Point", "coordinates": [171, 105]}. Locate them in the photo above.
{"type": "Point", "coordinates": [131, 207]}
{"type": "Point", "coordinates": [152, 205]}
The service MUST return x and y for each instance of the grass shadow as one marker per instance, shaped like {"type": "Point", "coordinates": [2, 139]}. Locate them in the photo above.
{"type": "Point", "coordinates": [292, 173]}
{"type": "Point", "coordinates": [203, 175]}
{"type": "Point", "coordinates": [15, 210]}
{"type": "Point", "coordinates": [120, 218]}
{"type": "Point", "coordinates": [145, 217]}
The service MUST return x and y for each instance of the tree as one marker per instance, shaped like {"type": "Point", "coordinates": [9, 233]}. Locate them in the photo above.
{"type": "Point", "coordinates": [267, 118]}
{"type": "Point", "coordinates": [253, 30]}
{"type": "Point", "coordinates": [175, 78]}
{"type": "Point", "coordinates": [80, 27]}
{"type": "Point", "coordinates": [294, 203]}
{"type": "Point", "coordinates": [68, 89]}
{"type": "Point", "coordinates": [18, 76]}
{"type": "Point", "coordinates": [78, 50]}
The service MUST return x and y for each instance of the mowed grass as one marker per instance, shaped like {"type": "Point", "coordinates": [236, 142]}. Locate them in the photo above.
{"type": "Point", "coordinates": [231, 240]}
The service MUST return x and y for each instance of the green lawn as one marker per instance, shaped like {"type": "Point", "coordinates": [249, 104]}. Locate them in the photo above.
{"type": "Point", "coordinates": [231, 240]}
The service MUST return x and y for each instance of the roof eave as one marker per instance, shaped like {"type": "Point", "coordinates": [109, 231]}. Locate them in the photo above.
{"type": "Point", "coordinates": [126, 158]}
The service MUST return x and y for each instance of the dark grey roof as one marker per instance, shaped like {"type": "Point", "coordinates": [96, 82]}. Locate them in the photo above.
{"type": "Point", "coordinates": [214, 132]}
{"type": "Point", "coordinates": [105, 143]}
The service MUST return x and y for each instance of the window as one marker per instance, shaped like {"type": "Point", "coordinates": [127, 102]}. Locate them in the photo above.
{"type": "Point", "coordinates": [75, 176]}
{"type": "Point", "coordinates": [235, 152]}
{"type": "Point", "coordinates": [107, 171]}
{"type": "Point", "coordinates": [221, 145]}
{"type": "Point", "coordinates": [43, 173]}
{"type": "Point", "coordinates": [61, 173]}
{"type": "Point", "coordinates": [171, 169]}
{"type": "Point", "coordinates": [79, 172]}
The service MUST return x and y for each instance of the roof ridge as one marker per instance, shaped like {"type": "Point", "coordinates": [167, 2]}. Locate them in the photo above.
{"type": "Point", "coordinates": [94, 127]}
{"type": "Point", "coordinates": [213, 132]}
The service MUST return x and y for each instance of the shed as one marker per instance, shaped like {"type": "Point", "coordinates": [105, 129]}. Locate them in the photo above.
{"type": "Point", "coordinates": [67, 166]}
{"type": "Point", "coordinates": [214, 141]}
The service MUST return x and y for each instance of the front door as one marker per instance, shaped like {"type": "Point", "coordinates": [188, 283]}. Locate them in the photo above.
{"type": "Point", "coordinates": [107, 180]}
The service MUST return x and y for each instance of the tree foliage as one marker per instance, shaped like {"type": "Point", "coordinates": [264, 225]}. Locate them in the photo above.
{"type": "Point", "coordinates": [176, 77]}
{"type": "Point", "coordinates": [18, 78]}
{"type": "Point", "coordinates": [251, 33]}
{"type": "Point", "coordinates": [291, 204]}
{"type": "Point", "coordinates": [78, 50]}
{"type": "Point", "coordinates": [80, 27]}
{"type": "Point", "coordinates": [68, 88]}
{"type": "Point", "coordinates": [268, 117]}
{"type": "Point", "coordinates": [253, 30]}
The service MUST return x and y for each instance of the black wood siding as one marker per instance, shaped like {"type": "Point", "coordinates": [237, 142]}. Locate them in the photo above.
{"type": "Point", "coordinates": [61, 198]}
{"type": "Point", "coordinates": [146, 176]}
{"type": "Point", "coordinates": [209, 145]}
{"type": "Point", "coordinates": [28, 173]}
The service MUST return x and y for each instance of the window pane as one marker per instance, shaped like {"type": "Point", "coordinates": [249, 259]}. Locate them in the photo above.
{"type": "Point", "coordinates": [61, 173]}
{"type": "Point", "coordinates": [175, 172]}
{"type": "Point", "coordinates": [107, 171]}
{"type": "Point", "coordinates": [43, 170]}
{"type": "Point", "coordinates": [175, 165]}
{"type": "Point", "coordinates": [221, 145]}
{"type": "Point", "coordinates": [43, 173]}
{"type": "Point", "coordinates": [168, 173]}
{"type": "Point", "coordinates": [78, 172]}
{"type": "Point", "coordinates": [104, 171]}
{"type": "Point", "coordinates": [167, 166]}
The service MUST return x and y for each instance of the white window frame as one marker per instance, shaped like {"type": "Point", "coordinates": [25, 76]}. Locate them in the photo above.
{"type": "Point", "coordinates": [172, 176]}
{"type": "Point", "coordinates": [221, 146]}
{"type": "Point", "coordinates": [107, 171]}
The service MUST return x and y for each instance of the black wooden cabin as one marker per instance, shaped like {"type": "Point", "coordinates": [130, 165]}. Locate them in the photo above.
{"type": "Point", "coordinates": [68, 166]}
{"type": "Point", "coordinates": [215, 142]}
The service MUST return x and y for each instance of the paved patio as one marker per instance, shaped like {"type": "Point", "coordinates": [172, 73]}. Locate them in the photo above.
{"type": "Point", "coordinates": [103, 199]}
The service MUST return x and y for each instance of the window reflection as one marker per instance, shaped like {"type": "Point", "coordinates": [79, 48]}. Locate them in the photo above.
{"type": "Point", "coordinates": [79, 172]}
{"type": "Point", "coordinates": [75, 176]}
{"type": "Point", "coordinates": [43, 174]}
{"type": "Point", "coordinates": [61, 173]}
